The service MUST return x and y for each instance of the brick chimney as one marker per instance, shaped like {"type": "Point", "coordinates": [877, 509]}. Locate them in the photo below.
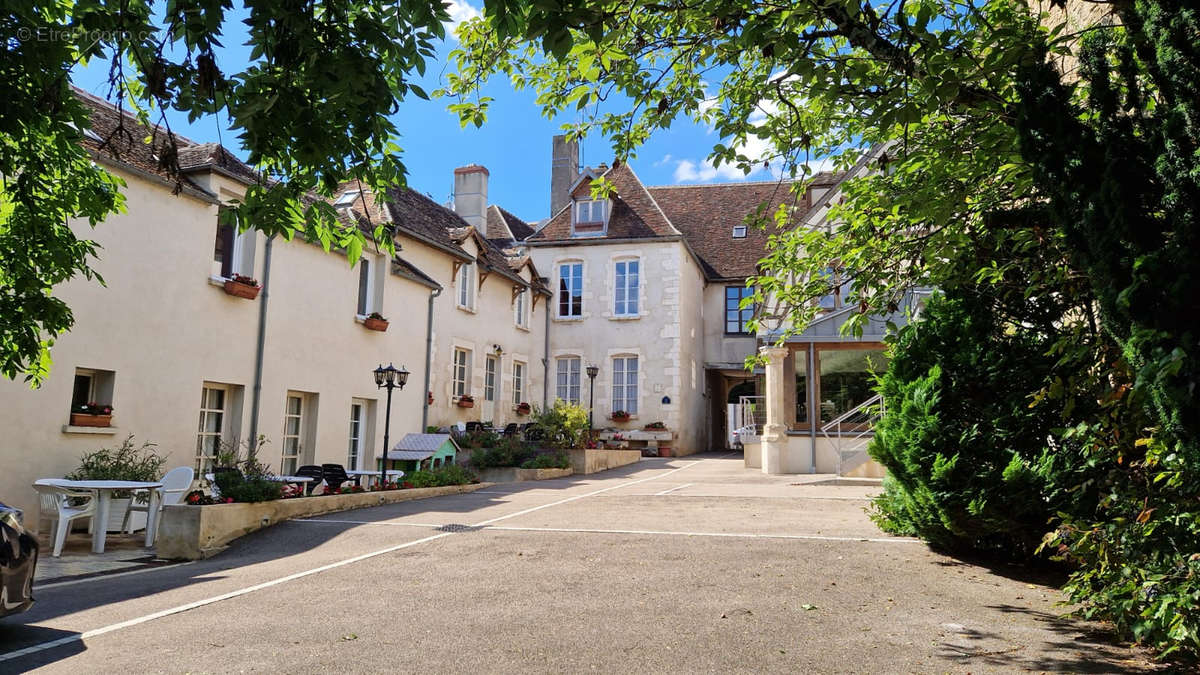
{"type": "Point", "coordinates": [471, 195]}
{"type": "Point", "coordinates": [564, 170]}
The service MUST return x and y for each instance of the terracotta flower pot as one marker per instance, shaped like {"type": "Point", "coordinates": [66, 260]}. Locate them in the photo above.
{"type": "Point", "coordinates": [523, 410]}
{"type": "Point", "coordinates": [620, 418]}
{"type": "Point", "coordinates": [466, 404]}
{"type": "Point", "coordinates": [376, 324]}
{"type": "Point", "coordinates": [241, 290]}
{"type": "Point", "coordinates": [88, 420]}
{"type": "Point", "coordinates": [664, 452]}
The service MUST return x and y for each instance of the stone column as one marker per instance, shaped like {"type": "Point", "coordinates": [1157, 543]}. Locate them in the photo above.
{"type": "Point", "coordinates": [774, 438]}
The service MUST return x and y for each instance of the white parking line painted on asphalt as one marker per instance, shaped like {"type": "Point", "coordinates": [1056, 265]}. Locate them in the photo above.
{"type": "Point", "coordinates": [734, 535]}
{"type": "Point", "coordinates": [670, 490]}
{"type": "Point", "coordinates": [319, 521]}
{"type": "Point", "coordinates": [41, 647]}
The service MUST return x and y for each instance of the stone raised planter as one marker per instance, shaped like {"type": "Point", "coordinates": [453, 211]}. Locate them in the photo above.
{"type": "Point", "coordinates": [514, 474]}
{"type": "Point", "coordinates": [591, 461]}
{"type": "Point", "coordinates": [195, 532]}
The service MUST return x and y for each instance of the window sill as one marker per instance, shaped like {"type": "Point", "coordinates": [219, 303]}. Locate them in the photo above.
{"type": "Point", "coordinates": [631, 418]}
{"type": "Point", "coordinates": [102, 431]}
{"type": "Point", "coordinates": [520, 327]}
{"type": "Point", "coordinates": [625, 317]}
{"type": "Point", "coordinates": [468, 310]}
{"type": "Point", "coordinates": [567, 319]}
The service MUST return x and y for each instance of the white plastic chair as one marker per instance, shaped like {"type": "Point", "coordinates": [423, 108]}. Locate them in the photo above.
{"type": "Point", "coordinates": [175, 485]}
{"type": "Point", "coordinates": [55, 506]}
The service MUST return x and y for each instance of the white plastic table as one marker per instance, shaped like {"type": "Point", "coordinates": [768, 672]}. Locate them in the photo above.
{"type": "Point", "coordinates": [103, 490]}
{"type": "Point", "coordinates": [359, 473]}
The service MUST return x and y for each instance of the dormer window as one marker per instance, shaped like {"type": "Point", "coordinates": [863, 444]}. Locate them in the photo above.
{"type": "Point", "coordinates": [591, 217]}
{"type": "Point", "coordinates": [739, 231]}
{"type": "Point", "coordinates": [347, 198]}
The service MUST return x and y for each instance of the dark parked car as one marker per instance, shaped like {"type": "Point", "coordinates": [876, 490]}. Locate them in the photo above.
{"type": "Point", "coordinates": [18, 558]}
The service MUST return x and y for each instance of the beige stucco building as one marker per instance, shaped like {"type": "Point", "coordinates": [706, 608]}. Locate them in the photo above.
{"type": "Point", "coordinates": [484, 310]}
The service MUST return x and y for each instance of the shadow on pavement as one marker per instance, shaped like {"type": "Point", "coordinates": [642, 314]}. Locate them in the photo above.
{"type": "Point", "coordinates": [14, 636]}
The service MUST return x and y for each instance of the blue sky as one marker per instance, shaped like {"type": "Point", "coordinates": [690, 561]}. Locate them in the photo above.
{"type": "Point", "coordinates": [514, 144]}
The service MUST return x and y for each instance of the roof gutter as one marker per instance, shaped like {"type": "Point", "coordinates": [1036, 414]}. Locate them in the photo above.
{"type": "Point", "coordinates": [600, 241]}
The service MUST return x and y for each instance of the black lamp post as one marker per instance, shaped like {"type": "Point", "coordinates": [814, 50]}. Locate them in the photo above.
{"type": "Point", "coordinates": [592, 372]}
{"type": "Point", "coordinates": [391, 378]}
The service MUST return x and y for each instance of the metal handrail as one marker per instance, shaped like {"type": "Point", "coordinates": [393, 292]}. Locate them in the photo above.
{"type": "Point", "coordinates": [877, 398]}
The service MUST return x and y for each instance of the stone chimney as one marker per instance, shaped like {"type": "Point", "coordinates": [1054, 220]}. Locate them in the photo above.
{"type": "Point", "coordinates": [470, 195]}
{"type": "Point", "coordinates": [564, 170]}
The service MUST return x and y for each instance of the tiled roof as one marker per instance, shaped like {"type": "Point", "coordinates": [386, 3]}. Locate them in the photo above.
{"type": "Point", "coordinates": [421, 443]}
{"type": "Point", "coordinates": [707, 214]}
{"type": "Point", "coordinates": [405, 268]}
{"type": "Point", "coordinates": [424, 218]}
{"type": "Point", "coordinates": [122, 139]}
{"type": "Point", "coordinates": [635, 215]}
{"type": "Point", "coordinates": [519, 228]}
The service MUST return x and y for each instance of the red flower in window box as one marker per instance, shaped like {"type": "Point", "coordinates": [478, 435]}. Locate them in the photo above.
{"type": "Point", "coordinates": [524, 408]}
{"type": "Point", "coordinates": [465, 401]}
{"type": "Point", "coordinates": [620, 416]}
{"type": "Point", "coordinates": [241, 286]}
{"type": "Point", "coordinates": [375, 321]}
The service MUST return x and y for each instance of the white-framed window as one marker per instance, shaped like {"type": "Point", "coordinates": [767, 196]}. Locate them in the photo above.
{"type": "Point", "coordinates": [467, 285]}
{"type": "Point", "coordinates": [233, 251]}
{"type": "Point", "coordinates": [625, 384]}
{"type": "Point", "coordinates": [518, 382]}
{"type": "Point", "coordinates": [214, 402]}
{"type": "Point", "coordinates": [366, 287]}
{"type": "Point", "coordinates": [739, 231]}
{"type": "Point", "coordinates": [521, 309]}
{"type": "Point", "coordinates": [570, 290]}
{"type": "Point", "coordinates": [358, 430]}
{"type": "Point", "coordinates": [462, 372]}
{"type": "Point", "coordinates": [92, 386]}
{"type": "Point", "coordinates": [490, 367]}
{"type": "Point", "coordinates": [626, 275]}
{"type": "Point", "coordinates": [591, 210]}
{"type": "Point", "coordinates": [568, 369]}
{"type": "Point", "coordinates": [293, 432]}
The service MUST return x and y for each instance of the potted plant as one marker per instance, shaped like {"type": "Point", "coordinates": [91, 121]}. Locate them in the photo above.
{"type": "Point", "coordinates": [125, 462]}
{"type": "Point", "coordinates": [92, 415]}
{"type": "Point", "coordinates": [620, 416]}
{"type": "Point", "coordinates": [242, 286]}
{"type": "Point", "coordinates": [466, 401]}
{"type": "Point", "coordinates": [524, 408]}
{"type": "Point", "coordinates": [375, 321]}
{"type": "Point", "coordinates": [655, 426]}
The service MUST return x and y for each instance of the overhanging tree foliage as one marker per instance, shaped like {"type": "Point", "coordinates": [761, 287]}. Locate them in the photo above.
{"type": "Point", "coordinates": [310, 107]}
{"type": "Point", "coordinates": [983, 130]}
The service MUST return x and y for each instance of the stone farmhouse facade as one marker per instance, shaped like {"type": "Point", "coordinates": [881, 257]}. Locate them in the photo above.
{"type": "Point", "coordinates": [644, 284]}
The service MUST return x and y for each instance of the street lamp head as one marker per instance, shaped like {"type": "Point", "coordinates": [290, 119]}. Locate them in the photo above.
{"type": "Point", "coordinates": [380, 375]}
{"type": "Point", "coordinates": [402, 376]}
{"type": "Point", "coordinates": [593, 371]}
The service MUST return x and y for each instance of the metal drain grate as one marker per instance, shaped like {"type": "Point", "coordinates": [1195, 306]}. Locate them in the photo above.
{"type": "Point", "coordinates": [457, 527]}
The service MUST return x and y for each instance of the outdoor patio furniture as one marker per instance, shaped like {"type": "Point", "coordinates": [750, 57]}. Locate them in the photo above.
{"type": "Point", "coordinates": [316, 473]}
{"type": "Point", "coordinates": [474, 427]}
{"type": "Point", "coordinates": [55, 506]}
{"type": "Point", "coordinates": [534, 433]}
{"type": "Point", "coordinates": [511, 429]}
{"type": "Point", "coordinates": [175, 485]}
{"type": "Point", "coordinates": [335, 475]}
{"type": "Point", "coordinates": [357, 474]}
{"type": "Point", "coordinates": [102, 490]}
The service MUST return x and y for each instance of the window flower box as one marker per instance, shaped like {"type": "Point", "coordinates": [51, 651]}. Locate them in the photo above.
{"type": "Point", "coordinates": [375, 321]}
{"type": "Point", "coordinates": [242, 287]}
{"type": "Point", "coordinates": [620, 416]}
{"type": "Point", "coordinates": [465, 402]}
{"type": "Point", "coordinates": [89, 420]}
{"type": "Point", "coordinates": [92, 415]}
{"type": "Point", "coordinates": [655, 426]}
{"type": "Point", "coordinates": [523, 409]}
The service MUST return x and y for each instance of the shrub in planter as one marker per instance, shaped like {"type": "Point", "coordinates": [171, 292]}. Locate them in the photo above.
{"type": "Point", "coordinates": [562, 425]}
{"type": "Point", "coordinates": [127, 461]}
{"type": "Point", "coordinates": [506, 452]}
{"type": "Point", "coordinates": [480, 439]}
{"type": "Point", "coordinates": [251, 488]}
{"type": "Point", "coordinates": [452, 474]}
{"type": "Point", "coordinates": [550, 460]}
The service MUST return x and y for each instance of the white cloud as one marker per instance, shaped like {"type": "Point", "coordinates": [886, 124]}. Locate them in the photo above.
{"type": "Point", "coordinates": [664, 161]}
{"type": "Point", "coordinates": [460, 11]}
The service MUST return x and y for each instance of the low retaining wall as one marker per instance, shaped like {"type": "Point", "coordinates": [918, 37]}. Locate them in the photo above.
{"type": "Point", "coordinates": [194, 532]}
{"type": "Point", "coordinates": [514, 474]}
{"type": "Point", "coordinates": [591, 461]}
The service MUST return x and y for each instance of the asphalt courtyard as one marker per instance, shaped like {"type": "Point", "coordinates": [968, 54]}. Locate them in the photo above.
{"type": "Point", "coordinates": [683, 565]}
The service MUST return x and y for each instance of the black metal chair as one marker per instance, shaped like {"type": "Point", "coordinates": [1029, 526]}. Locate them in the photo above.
{"type": "Point", "coordinates": [511, 429]}
{"type": "Point", "coordinates": [316, 473]}
{"type": "Point", "coordinates": [335, 475]}
{"type": "Point", "coordinates": [534, 433]}
{"type": "Point", "coordinates": [473, 427]}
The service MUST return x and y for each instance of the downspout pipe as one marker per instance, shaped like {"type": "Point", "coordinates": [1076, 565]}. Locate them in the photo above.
{"type": "Point", "coordinates": [260, 349]}
{"type": "Point", "coordinates": [433, 293]}
{"type": "Point", "coordinates": [546, 361]}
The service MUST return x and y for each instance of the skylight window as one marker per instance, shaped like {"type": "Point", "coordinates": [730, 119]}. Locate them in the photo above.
{"type": "Point", "coordinates": [739, 231]}
{"type": "Point", "coordinates": [347, 198]}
